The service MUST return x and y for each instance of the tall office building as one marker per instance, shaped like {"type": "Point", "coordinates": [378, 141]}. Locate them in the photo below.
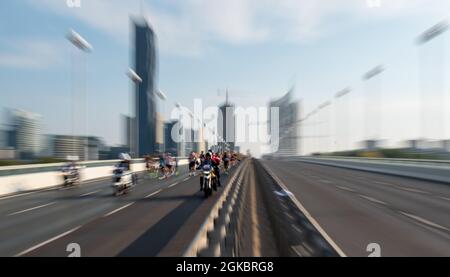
{"type": "Point", "coordinates": [170, 143]}
{"type": "Point", "coordinates": [26, 133]}
{"type": "Point", "coordinates": [288, 125]}
{"type": "Point", "coordinates": [159, 128]}
{"type": "Point", "coordinates": [226, 126]}
{"type": "Point", "coordinates": [3, 139]}
{"type": "Point", "coordinates": [63, 146]}
{"type": "Point", "coordinates": [129, 138]}
{"type": "Point", "coordinates": [145, 65]}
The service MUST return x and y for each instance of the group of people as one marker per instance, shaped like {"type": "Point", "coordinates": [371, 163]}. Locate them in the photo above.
{"type": "Point", "coordinates": [164, 164]}
{"type": "Point", "coordinates": [215, 160]}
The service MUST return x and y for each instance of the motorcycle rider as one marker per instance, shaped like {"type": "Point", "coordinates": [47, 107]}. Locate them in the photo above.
{"type": "Point", "coordinates": [71, 169]}
{"type": "Point", "coordinates": [192, 163]}
{"type": "Point", "coordinates": [226, 161]}
{"type": "Point", "coordinates": [122, 169]}
{"type": "Point", "coordinates": [162, 164]}
{"type": "Point", "coordinates": [216, 164]}
{"type": "Point", "coordinates": [170, 165]}
{"type": "Point", "coordinates": [206, 161]}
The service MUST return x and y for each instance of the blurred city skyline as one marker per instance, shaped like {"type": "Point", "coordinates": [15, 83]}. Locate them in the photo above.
{"type": "Point", "coordinates": [256, 50]}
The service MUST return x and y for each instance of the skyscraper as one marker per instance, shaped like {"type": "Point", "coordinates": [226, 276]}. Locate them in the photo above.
{"type": "Point", "coordinates": [145, 64]}
{"type": "Point", "coordinates": [226, 126]}
{"type": "Point", "coordinates": [170, 143]}
{"type": "Point", "coordinates": [288, 117]}
{"type": "Point", "coordinates": [25, 126]}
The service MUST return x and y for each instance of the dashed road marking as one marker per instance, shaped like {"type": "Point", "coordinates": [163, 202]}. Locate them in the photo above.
{"type": "Point", "coordinates": [117, 210]}
{"type": "Point", "coordinates": [31, 209]}
{"type": "Point", "coordinates": [153, 193]}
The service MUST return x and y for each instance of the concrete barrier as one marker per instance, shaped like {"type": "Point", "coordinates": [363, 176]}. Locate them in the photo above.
{"type": "Point", "coordinates": [430, 170]}
{"type": "Point", "coordinates": [17, 179]}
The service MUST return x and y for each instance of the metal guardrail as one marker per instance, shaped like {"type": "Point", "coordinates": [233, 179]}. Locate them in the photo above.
{"type": "Point", "coordinates": [217, 235]}
{"type": "Point", "coordinates": [295, 236]}
{"type": "Point", "coordinates": [445, 163]}
{"type": "Point", "coordinates": [296, 232]}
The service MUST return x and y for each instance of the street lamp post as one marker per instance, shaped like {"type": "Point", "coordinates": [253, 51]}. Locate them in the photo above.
{"type": "Point", "coordinates": [80, 43]}
{"type": "Point", "coordinates": [181, 142]}
{"type": "Point", "coordinates": [370, 112]}
{"type": "Point", "coordinates": [423, 39]}
{"type": "Point", "coordinates": [340, 96]}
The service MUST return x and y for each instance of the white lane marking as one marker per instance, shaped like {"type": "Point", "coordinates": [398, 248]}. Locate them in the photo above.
{"type": "Point", "coordinates": [153, 193]}
{"type": "Point", "coordinates": [174, 184]}
{"type": "Point", "coordinates": [402, 187]}
{"type": "Point", "coordinates": [307, 214]}
{"type": "Point", "coordinates": [118, 209]}
{"type": "Point", "coordinates": [20, 194]}
{"type": "Point", "coordinates": [325, 181]}
{"type": "Point", "coordinates": [47, 242]}
{"type": "Point", "coordinates": [371, 199]}
{"type": "Point", "coordinates": [444, 198]}
{"type": "Point", "coordinates": [383, 183]}
{"type": "Point", "coordinates": [413, 190]}
{"type": "Point", "coordinates": [425, 221]}
{"type": "Point", "coordinates": [185, 179]}
{"type": "Point", "coordinates": [30, 209]}
{"type": "Point", "coordinates": [89, 193]}
{"type": "Point", "coordinates": [345, 188]}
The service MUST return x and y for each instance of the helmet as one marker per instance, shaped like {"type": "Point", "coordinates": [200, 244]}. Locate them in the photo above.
{"type": "Point", "coordinates": [124, 156]}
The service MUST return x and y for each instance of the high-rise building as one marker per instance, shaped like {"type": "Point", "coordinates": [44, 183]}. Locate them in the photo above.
{"type": "Point", "coordinates": [25, 133]}
{"type": "Point", "coordinates": [170, 138]}
{"type": "Point", "coordinates": [159, 132]}
{"type": "Point", "coordinates": [129, 138]}
{"type": "Point", "coordinates": [288, 122]}
{"type": "Point", "coordinates": [65, 145]}
{"type": "Point", "coordinates": [3, 139]}
{"type": "Point", "coordinates": [226, 126]}
{"type": "Point", "coordinates": [145, 65]}
{"type": "Point", "coordinates": [199, 142]}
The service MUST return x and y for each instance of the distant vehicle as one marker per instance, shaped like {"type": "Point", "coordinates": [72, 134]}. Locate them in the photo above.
{"type": "Point", "coordinates": [208, 180]}
{"type": "Point", "coordinates": [71, 172]}
{"type": "Point", "coordinates": [123, 181]}
{"type": "Point", "coordinates": [123, 177]}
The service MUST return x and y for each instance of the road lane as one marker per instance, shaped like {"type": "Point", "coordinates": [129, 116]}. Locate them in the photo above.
{"type": "Point", "coordinates": [70, 209]}
{"type": "Point", "coordinates": [355, 209]}
{"type": "Point", "coordinates": [158, 210]}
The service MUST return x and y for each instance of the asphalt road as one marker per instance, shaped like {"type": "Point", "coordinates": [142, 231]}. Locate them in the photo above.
{"type": "Point", "coordinates": [405, 217]}
{"type": "Point", "coordinates": [141, 223]}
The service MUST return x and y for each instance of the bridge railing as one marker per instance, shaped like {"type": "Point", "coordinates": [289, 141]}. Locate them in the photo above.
{"type": "Point", "coordinates": [217, 236]}
{"type": "Point", "coordinates": [24, 178]}
{"type": "Point", "coordinates": [430, 170]}
{"type": "Point", "coordinates": [222, 233]}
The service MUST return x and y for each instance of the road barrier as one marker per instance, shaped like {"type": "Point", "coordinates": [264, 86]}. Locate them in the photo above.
{"type": "Point", "coordinates": [222, 233]}
{"type": "Point", "coordinates": [429, 170]}
{"type": "Point", "coordinates": [25, 178]}
{"type": "Point", "coordinates": [296, 232]}
{"type": "Point", "coordinates": [216, 236]}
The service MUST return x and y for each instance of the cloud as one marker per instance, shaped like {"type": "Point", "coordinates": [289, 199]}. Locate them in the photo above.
{"type": "Point", "coordinates": [190, 27]}
{"type": "Point", "coordinates": [30, 53]}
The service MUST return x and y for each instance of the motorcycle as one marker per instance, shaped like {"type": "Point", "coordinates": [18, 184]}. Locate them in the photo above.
{"type": "Point", "coordinates": [71, 176]}
{"type": "Point", "coordinates": [209, 182]}
{"type": "Point", "coordinates": [123, 181]}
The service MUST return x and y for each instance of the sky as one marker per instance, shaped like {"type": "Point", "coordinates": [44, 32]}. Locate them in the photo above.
{"type": "Point", "coordinates": [258, 49]}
